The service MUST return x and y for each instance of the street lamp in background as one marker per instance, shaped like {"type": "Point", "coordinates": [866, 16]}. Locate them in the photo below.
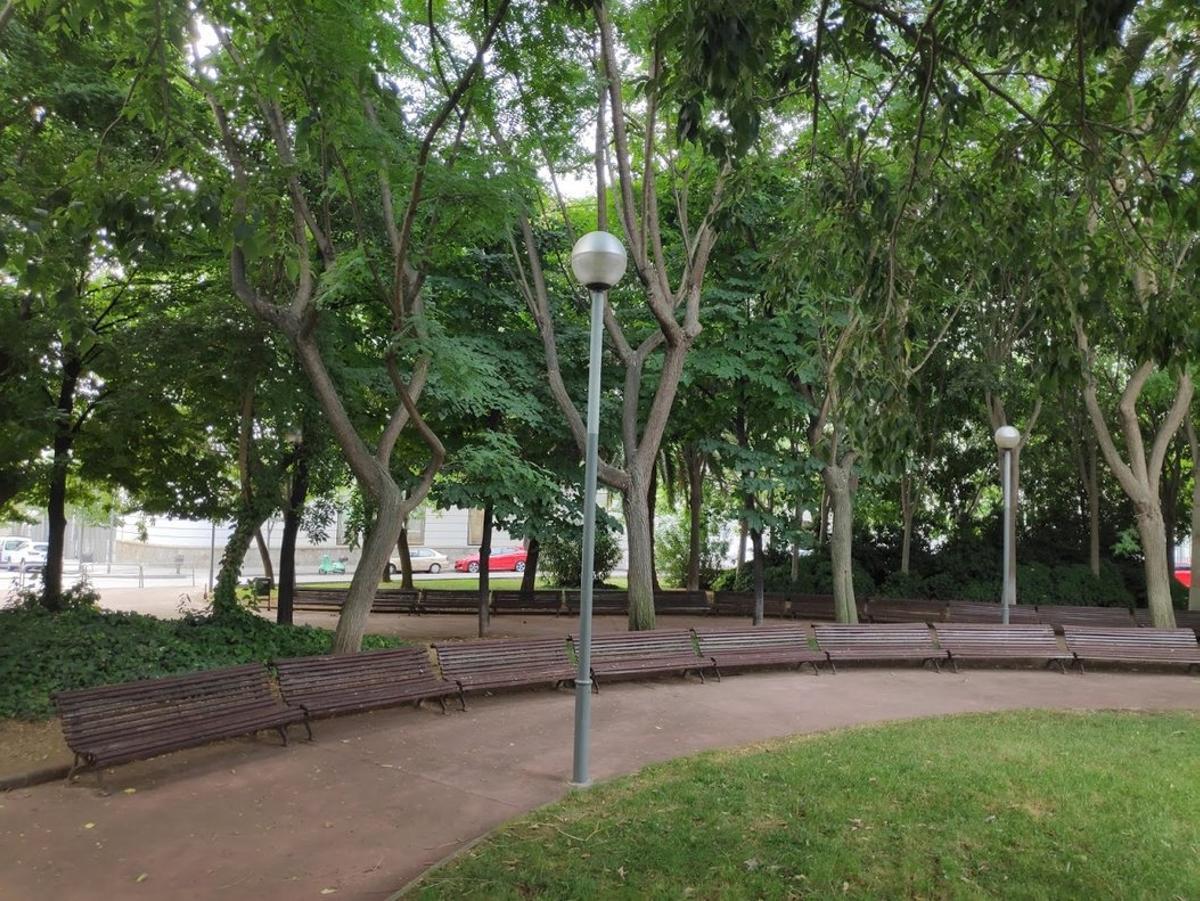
{"type": "Point", "coordinates": [1007, 438]}
{"type": "Point", "coordinates": [598, 261]}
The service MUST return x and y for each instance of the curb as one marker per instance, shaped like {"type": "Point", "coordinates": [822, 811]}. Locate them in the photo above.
{"type": "Point", "coordinates": [34, 777]}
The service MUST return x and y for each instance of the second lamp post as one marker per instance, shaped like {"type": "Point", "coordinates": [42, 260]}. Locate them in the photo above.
{"type": "Point", "coordinates": [598, 261]}
{"type": "Point", "coordinates": [1007, 439]}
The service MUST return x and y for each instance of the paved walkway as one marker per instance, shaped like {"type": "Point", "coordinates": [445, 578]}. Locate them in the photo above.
{"type": "Point", "coordinates": [377, 798]}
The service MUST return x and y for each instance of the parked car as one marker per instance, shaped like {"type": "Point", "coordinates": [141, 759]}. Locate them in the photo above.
{"type": "Point", "coordinates": [501, 559]}
{"type": "Point", "coordinates": [36, 558]}
{"type": "Point", "coordinates": [424, 560]}
{"type": "Point", "coordinates": [15, 551]}
{"type": "Point", "coordinates": [1184, 577]}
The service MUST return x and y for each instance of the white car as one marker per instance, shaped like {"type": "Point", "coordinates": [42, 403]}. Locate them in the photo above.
{"type": "Point", "coordinates": [424, 560]}
{"type": "Point", "coordinates": [36, 558]}
{"type": "Point", "coordinates": [15, 552]}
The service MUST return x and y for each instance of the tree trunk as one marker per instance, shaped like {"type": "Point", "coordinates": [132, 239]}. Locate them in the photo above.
{"type": "Point", "coordinates": [264, 552]}
{"type": "Point", "coordinates": [651, 507]}
{"type": "Point", "coordinates": [823, 517]}
{"type": "Point", "coordinates": [906, 515]}
{"type": "Point", "coordinates": [798, 525]}
{"type": "Point", "coordinates": [1152, 531]}
{"type": "Point", "coordinates": [838, 489]}
{"type": "Point", "coordinates": [225, 600]}
{"type": "Point", "coordinates": [406, 570]}
{"type": "Point", "coordinates": [56, 506]}
{"type": "Point", "coordinates": [1194, 444]}
{"type": "Point", "coordinates": [695, 475]}
{"type": "Point", "coordinates": [529, 577]}
{"type": "Point", "coordinates": [1093, 500]}
{"type": "Point", "coordinates": [757, 543]}
{"type": "Point", "coordinates": [1169, 497]}
{"type": "Point", "coordinates": [640, 579]}
{"type": "Point", "coordinates": [741, 560]}
{"type": "Point", "coordinates": [287, 550]}
{"type": "Point", "coordinates": [485, 568]}
{"type": "Point", "coordinates": [376, 550]}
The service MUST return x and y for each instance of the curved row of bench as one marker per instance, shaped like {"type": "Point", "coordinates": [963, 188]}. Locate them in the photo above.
{"type": "Point", "coordinates": [726, 603]}
{"type": "Point", "coordinates": [119, 723]}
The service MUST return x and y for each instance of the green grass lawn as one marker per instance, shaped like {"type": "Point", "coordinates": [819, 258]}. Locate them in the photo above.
{"type": "Point", "coordinates": [1021, 805]}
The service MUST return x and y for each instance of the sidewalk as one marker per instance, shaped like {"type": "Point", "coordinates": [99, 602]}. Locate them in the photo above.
{"type": "Point", "coordinates": [378, 798]}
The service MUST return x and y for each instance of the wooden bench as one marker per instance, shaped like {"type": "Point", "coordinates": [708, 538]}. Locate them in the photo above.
{"type": "Point", "coordinates": [542, 600]}
{"type": "Point", "coordinates": [693, 602]}
{"type": "Point", "coordinates": [811, 606]}
{"type": "Point", "coordinates": [1020, 641]}
{"type": "Point", "coordinates": [988, 612]}
{"type": "Point", "coordinates": [785, 645]}
{"type": "Point", "coordinates": [346, 683]}
{"type": "Point", "coordinates": [644, 654]}
{"type": "Point", "coordinates": [1060, 615]}
{"type": "Point", "coordinates": [896, 610]}
{"type": "Point", "coordinates": [604, 600]}
{"type": "Point", "coordinates": [888, 641]}
{"type": "Point", "coordinates": [115, 724]}
{"type": "Point", "coordinates": [741, 603]}
{"type": "Point", "coordinates": [1166, 646]}
{"type": "Point", "coordinates": [482, 665]}
{"type": "Point", "coordinates": [318, 598]}
{"type": "Point", "coordinates": [396, 600]}
{"type": "Point", "coordinates": [444, 601]}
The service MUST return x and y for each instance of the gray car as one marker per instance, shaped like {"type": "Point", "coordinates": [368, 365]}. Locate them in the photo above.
{"type": "Point", "coordinates": [424, 560]}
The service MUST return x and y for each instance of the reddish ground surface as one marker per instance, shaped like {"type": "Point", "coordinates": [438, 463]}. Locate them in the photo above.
{"type": "Point", "coordinates": [378, 798]}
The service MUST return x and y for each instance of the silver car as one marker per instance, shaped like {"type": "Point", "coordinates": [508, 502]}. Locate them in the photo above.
{"type": "Point", "coordinates": [424, 560]}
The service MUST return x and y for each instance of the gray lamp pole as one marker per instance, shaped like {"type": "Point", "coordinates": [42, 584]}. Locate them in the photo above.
{"type": "Point", "coordinates": [598, 261]}
{"type": "Point", "coordinates": [1007, 438]}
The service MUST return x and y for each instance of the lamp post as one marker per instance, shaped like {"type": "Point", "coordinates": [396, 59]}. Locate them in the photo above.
{"type": "Point", "coordinates": [598, 261]}
{"type": "Point", "coordinates": [1007, 438]}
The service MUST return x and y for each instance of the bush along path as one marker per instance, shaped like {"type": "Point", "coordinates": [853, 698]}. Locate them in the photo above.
{"type": "Point", "coordinates": [42, 652]}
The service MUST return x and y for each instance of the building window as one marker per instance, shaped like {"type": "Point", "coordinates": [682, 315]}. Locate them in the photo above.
{"type": "Point", "coordinates": [474, 528]}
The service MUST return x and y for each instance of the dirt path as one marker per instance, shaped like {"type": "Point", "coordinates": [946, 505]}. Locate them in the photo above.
{"type": "Point", "coordinates": [378, 798]}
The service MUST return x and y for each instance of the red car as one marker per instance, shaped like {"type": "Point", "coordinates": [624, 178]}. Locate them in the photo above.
{"type": "Point", "coordinates": [501, 558]}
{"type": "Point", "coordinates": [1184, 577]}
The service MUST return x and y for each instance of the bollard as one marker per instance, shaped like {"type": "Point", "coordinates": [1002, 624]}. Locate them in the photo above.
{"type": "Point", "coordinates": [141, 577]}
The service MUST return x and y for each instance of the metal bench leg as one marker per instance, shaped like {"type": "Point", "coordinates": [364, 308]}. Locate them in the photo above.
{"type": "Point", "coordinates": [282, 730]}
{"type": "Point", "coordinates": [954, 664]}
{"type": "Point", "coordinates": [442, 701]}
{"type": "Point", "coordinates": [717, 670]}
{"type": "Point", "coordinates": [1079, 660]}
{"type": "Point", "coordinates": [462, 697]}
{"type": "Point", "coordinates": [816, 669]}
{"type": "Point", "coordinates": [307, 727]}
{"type": "Point", "coordinates": [73, 770]}
{"type": "Point", "coordinates": [699, 672]}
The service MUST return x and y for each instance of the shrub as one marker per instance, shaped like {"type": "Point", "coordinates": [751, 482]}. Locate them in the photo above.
{"type": "Point", "coordinates": [815, 577]}
{"type": "Point", "coordinates": [42, 652]}
{"type": "Point", "coordinates": [672, 552]}
{"type": "Point", "coordinates": [562, 553]}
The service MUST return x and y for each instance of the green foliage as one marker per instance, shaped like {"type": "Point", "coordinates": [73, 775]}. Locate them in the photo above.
{"type": "Point", "coordinates": [672, 550]}
{"type": "Point", "coordinates": [562, 552]}
{"type": "Point", "coordinates": [815, 577]}
{"type": "Point", "coordinates": [1011, 805]}
{"type": "Point", "coordinates": [1037, 583]}
{"type": "Point", "coordinates": [41, 653]}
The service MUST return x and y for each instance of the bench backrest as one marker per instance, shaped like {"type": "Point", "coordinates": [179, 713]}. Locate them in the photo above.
{"type": "Point", "coordinates": [539, 599]}
{"type": "Point", "coordinates": [607, 600]}
{"type": "Point", "coordinates": [300, 677]}
{"type": "Point", "coordinates": [840, 636]}
{"type": "Point", "coordinates": [763, 638]}
{"type": "Point", "coordinates": [443, 599]}
{"type": "Point", "coordinates": [970, 637]}
{"type": "Point", "coordinates": [1063, 614]}
{"type": "Point", "coordinates": [622, 645]}
{"type": "Point", "coordinates": [1082, 639]}
{"type": "Point", "coordinates": [811, 606]}
{"type": "Point", "coordinates": [896, 610]}
{"type": "Point", "coordinates": [324, 597]}
{"type": "Point", "coordinates": [741, 603]}
{"type": "Point", "coordinates": [681, 600]}
{"type": "Point", "coordinates": [988, 612]}
{"type": "Point", "coordinates": [465, 658]}
{"type": "Point", "coordinates": [91, 714]}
